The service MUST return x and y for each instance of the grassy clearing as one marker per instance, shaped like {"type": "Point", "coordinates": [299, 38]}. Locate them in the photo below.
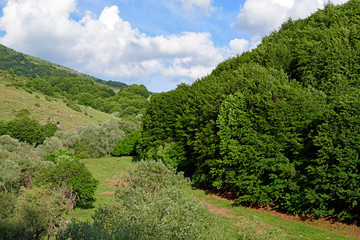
{"type": "Point", "coordinates": [12, 100]}
{"type": "Point", "coordinates": [105, 168]}
{"type": "Point", "coordinates": [294, 228]}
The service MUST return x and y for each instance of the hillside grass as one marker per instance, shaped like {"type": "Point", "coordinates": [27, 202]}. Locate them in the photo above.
{"type": "Point", "coordinates": [43, 110]}
{"type": "Point", "coordinates": [104, 169]}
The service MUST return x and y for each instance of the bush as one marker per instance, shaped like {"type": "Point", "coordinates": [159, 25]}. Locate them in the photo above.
{"type": "Point", "coordinates": [37, 212]}
{"type": "Point", "coordinates": [57, 156]}
{"type": "Point", "coordinates": [127, 146]}
{"type": "Point", "coordinates": [72, 174]}
{"type": "Point", "coordinates": [152, 203]}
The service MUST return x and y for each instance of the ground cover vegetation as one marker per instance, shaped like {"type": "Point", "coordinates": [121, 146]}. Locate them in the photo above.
{"type": "Point", "coordinates": [278, 125]}
{"type": "Point", "coordinates": [40, 182]}
{"type": "Point", "coordinates": [129, 101]}
{"type": "Point", "coordinates": [35, 194]}
{"type": "Point", "coordinates": [152, 201]}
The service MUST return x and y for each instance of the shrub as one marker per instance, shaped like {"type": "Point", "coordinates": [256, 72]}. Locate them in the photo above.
{"type": "Point", "coordinates": [37, 212]}
{"type": "Point", "coordinates": [152, 203]}
{"type": "Point", "coordinates": [127, 146]}
{"type": "Point", "coordinates": [72, 174]}
{"type": "Point", "coordinates": [57, 156]}
{"type": "Point", "coordinates": [10, 175]}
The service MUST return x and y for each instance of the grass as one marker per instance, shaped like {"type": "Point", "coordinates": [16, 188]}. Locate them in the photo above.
{"type": "Point", "coordinates": [12, 100]}
{"type": "Point", "coordinates": [294, 228]}
{"type": "Point", "coordinates": [105, 168]}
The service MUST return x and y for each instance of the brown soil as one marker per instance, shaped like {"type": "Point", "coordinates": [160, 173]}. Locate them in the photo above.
{"type": "Point", "coordinates": [107, 193]}
{"type": "Point", "coordinates": [111, 182]}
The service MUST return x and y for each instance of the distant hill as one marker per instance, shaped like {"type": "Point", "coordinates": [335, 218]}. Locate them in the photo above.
{"type": "Point", "coordinates": [32, 67]}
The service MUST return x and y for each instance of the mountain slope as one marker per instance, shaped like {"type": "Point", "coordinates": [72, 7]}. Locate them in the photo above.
{"type": "Point", "coordinates": [32, 67]}
{"type": "Point", "coordinates": [44, 108]}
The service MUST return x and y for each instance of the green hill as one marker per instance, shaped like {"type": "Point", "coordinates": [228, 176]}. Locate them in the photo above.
{"type": "Point", "coordinates": [275, 126]}
{"type": "Point", "coordinates": [32, 67]}
{"type": "Point", "coordinates": [44, 109]}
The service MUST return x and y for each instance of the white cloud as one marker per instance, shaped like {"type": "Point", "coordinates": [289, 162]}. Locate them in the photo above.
{"type": "Point", "coordinates": [260, 17]}
{"type": "Point", "coordinates": [238, 46]}
{"type": "Point", "coordinates": [105, 46]}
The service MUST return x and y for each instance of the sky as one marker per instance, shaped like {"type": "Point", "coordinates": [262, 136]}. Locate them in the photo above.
{"type": "Point", "coordinates": [158, 43]}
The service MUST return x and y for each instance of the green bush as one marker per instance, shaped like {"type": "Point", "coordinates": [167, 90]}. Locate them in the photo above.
{"type": "Point", "coordinates": [57, 156]}
{"type": "Point", "coordinates": [152, 203]}
{"type": "Point", "coordinates": [72, 174]}
{"type": "Point", "coordinates": [26, 129]}
{"type": "Point", "coordinates": [127, 146]}
{"type": "Point", "coordinates": [35, 213]}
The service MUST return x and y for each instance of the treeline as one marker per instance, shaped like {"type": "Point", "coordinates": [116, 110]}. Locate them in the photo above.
{"type": "Point", "coordinates": [278, 125]}
{"type": "Point", "coordinates": [129, 101]}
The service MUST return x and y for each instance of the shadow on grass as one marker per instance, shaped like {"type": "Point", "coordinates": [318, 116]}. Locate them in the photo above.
{"type": "Point", "coordinates": [135, 158]}
{"type": "Point", "coordinates": [84, 205]}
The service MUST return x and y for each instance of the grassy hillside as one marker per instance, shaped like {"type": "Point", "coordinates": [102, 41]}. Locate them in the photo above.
{"type": "Point", "coordinates": [44, 108]}
{"type": "Point", "coordinates": [29, 66]}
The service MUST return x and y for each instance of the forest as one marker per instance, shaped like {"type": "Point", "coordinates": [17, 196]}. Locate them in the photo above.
{"type": "Point", "coordinates": [276, 127]}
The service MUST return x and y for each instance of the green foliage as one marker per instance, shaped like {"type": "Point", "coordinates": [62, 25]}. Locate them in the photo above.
{"type": "Point", "coordinates": [127, 146]}
{"type": "Point", "coordinates": [152, 203]}
{"type": "Point", "coordinates": [130, 100]}
{"type": "Point", "coordinates": [276, 125]}
{"type": "Point", "coordinates": [333, 173]}
{"type": "Point", "coordinates": [26, 129]}
{"type": "Point", "coordinates": [10, 176]}
{"type": "Point", "coordinates": [73, 105]}
{"type": "Point", "coordinates": [57, 156]}
{"type": "Point", "coordinates": [263, 139]}
{"type": "Point", "coordinates": [37, 212]}
{"type": "Point", "coordinates": [73, 174]}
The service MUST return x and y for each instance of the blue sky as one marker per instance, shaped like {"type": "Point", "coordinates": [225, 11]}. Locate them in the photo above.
{"type": "Point", "coordinates": [158, 43]}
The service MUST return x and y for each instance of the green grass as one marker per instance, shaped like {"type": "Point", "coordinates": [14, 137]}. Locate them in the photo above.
{"type": "Point", "coordinates": [105, 168]}
{"type": "Point", "coordinates": [12, 100]}
{"type": "Point", "coordinates": [295, 229]}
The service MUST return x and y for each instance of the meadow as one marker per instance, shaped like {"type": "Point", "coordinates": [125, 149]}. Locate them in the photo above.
{"type": "Point", "coordinates": [105, 169]}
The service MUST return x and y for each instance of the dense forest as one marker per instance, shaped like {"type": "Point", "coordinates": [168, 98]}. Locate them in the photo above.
{"type": "Point", "coordinates": [278, 125]}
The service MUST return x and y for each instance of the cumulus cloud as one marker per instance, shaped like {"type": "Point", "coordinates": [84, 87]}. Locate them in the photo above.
{"type": "Point", "coordinates": [260, 17]}
{"type": "Point", "coordinates": [106, 45]}
{"type": "Point", "coordinates": [238, 46]}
